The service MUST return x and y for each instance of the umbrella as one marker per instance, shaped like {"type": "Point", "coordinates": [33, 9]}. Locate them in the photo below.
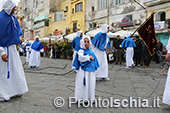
{"type": "Point", "coordinates": [92, 33]}
{"type": "Point", "coordinates": [123, 33]}
{"type": "Point", "coordinates": [71, 36]}
{"type": "Point", "coordinates": [47, 39]}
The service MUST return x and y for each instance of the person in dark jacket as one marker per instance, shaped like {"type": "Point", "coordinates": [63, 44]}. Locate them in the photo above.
{"type": "Point", "coordinates": [116, 45]}
{"type": "Point", "coordinates": [138, 49]}
{"type": "Point", "coordinates": [159, 51]}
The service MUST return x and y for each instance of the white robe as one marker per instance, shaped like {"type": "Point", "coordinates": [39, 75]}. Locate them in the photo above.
{"type": "Point", "coordinates": [35, 58]}
{"type": "Point", "coordinates": [27, 53]}
{"type": "Point", "coordinates": [16, 84]}
{"type": "Point", "coordinates": [88, 91]}
{"type": "Point", "coordinates": [129, 56]}
{"type": "Point", "coordinates": [74, 55]}
{"type": "Point", "coordinates": [166, 95]}
{"type": "Point", "coordinates": [102, 71]}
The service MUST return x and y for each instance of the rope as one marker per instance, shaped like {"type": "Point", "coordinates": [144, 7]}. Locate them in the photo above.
{"type": "Point", "coordinates": [47, 73]}
{"type": "Point", "coordinates": [69, 87]}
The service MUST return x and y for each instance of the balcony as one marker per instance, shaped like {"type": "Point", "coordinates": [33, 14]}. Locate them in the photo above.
{"type": "Point", "coordinates": [154, 2]}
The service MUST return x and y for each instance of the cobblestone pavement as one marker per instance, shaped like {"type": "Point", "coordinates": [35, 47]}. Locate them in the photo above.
{"type": "Point", "coordinates": [44, 88]}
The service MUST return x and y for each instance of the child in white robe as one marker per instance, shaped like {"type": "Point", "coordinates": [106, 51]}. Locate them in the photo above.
{"type": "Point", "coordinates": [86, 63]}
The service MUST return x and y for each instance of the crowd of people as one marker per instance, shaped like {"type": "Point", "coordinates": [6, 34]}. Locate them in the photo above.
{"type": "Point", "coordinates": [140, 54]}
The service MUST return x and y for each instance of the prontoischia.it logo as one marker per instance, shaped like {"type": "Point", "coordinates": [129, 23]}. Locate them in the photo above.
{"type": "Point", "coordinates": [111, 102]}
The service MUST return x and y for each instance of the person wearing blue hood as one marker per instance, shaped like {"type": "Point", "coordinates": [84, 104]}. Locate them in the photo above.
{"type": "Point", "coordinates": [28, 50]}
{"type": "Point", "coordinates": [101, 43]}
{"type": "Point", "coordinates": [86, 63]}
{"type": "Point", "coordinates": [129, 45]}
{"type": "Point", "coordinates": [12, 77]}
{"type": "Point", "coordinates": [76, 43]}
{"type": "Point", "coordinates": [36, 48]}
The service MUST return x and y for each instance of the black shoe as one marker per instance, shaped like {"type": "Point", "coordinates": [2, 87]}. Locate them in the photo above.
{"type": "Point", "coordinates": [116, 63]}
{"type": "Point", "coordinates": [31, 66]}
{"type": "Point", "coordinates": [34, 66]}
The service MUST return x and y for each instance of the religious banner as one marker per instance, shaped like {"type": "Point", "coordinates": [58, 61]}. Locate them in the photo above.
{"type": "Point", "coordinates": [147, 33]}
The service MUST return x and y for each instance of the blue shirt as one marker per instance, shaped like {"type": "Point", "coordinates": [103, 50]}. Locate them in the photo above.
{"type": "Point", "coordinates": [99, 41]}
{"type": "Point", "coordinates": [9, 32]}
{"type": "Point", "coordinates": [76, 43]}
{"type": "Point", "coordinates": [128, 42]}
{"type": "Point", "coordinates": [91, 65]}
{"type": "Point", "coordinates": [37, 46]}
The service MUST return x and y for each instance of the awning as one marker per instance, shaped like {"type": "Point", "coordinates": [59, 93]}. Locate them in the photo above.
{"type": "Point", "coordinates": [40, 18]}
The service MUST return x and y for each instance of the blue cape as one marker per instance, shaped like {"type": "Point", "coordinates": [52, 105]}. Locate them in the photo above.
{"type": "Point", "coordinates": [9, 35]}
{"type": "Point", "coordinates": [91, 65]}
{"type": "Point", "coordinates": [28, 44]}
{"type": "Point", "coordinates": [99, 41]}
{"type": "Point", "coordinates": [128, 42]}
{"type": "Point", "coordinates": [76, 43]}
{"type": "Point", "coordinates": [37, 46]}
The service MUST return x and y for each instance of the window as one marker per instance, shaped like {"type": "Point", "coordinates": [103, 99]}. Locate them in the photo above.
{"type": "Point", "coordinates": [160, 16]}
{"type": "Point", "coordinates": [66, 8]}
{"type": "Point", "coordinates": [92, 9]}
{"type": "Point", "coordinates": [74, 27]}
{"type": "Point", "coordinates": [94, 25]}
{"type": "Point", "coordinates": [79, 7]}
{"type": "Point", "coordinates": [117, 2]}
{"type": "Point", "coordinates": [58, 16]}
{"type": "Point", "coordinates": [102, 4]}
{"type": "Point", "coordinates": [73, 11]}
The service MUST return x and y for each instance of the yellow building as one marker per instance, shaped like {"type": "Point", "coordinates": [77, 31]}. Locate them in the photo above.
{"type": "Point", "coordinates": [69, 17]}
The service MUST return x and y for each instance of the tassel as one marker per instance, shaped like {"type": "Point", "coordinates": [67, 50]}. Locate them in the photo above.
{"type": "Point", "coordinates": [84, 81]}
{"type": "Point", "coordinates": [8, 75]}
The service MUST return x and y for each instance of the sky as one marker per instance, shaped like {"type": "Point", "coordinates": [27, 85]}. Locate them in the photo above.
{"type": "Point", "coordinates": [1, 3]}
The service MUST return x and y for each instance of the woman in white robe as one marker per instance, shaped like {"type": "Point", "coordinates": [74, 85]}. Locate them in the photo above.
{"type": "Point", "coordinates": [36, 48]}
{"type": "Point", "coordinates": [76, 44]}
{"type": "Point", "coordinates": [12, 77]}
{"type": "Point", "coordinates": [99, 48]}
{"type": "Point", "coordinates": [166, 95]}
{"type": "Point", "coordinates": [27, 48]}
{"type": "Point", "coordinates": [85, 80]}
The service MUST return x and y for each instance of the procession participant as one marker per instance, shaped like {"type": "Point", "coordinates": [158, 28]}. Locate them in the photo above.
{"type": "Point", "coordinates": [36, 48]}
{"type": "Point", "coordinates": [12, 77]}
{"type": "Point", "coordinates": [86, 63]}
{"type": "Point", "coordinates": [76, 43]}
{"type": "Point", "coordinates": [101, 42]}
{"type": "Point", "coordinates": [27, 48]}
{"type": "Point", "coordinates": [166, 96]}
{"type": "Point", "coordinates": [129, 44]}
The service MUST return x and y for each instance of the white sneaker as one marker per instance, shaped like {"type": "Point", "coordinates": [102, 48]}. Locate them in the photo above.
{"type": "Point", "coordinates": [2, 100]}
{"type": "Point", "coordinates": [106, 78]}
{"type": "Point", "coordinates": [128, 67]}
{"type": "Point", "coordinates": [138, 65]}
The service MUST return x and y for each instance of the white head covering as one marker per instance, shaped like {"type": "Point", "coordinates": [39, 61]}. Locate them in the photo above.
{"type": "Point", "coordinates": [127, 35]}
{"type": "Point", "coordinates": [104, 28]}
{"type": "Point", "coordinates": [82, 42]}
{"type": "Point", "coordinates": [79, 33]}
{"type": "Point", "coordinates": [36, 37]}
{"type": "Point", "coordinates": [8, 6]}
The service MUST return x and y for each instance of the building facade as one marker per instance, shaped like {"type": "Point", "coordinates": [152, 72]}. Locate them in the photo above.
{"type": "Point", "coordinates": [69, 17]}
{"type": "Point", "coordinates": [161, 18]}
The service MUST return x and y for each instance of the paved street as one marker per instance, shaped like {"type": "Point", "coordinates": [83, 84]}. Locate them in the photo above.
{"type": "Point", "coordinates": [44, 88]}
